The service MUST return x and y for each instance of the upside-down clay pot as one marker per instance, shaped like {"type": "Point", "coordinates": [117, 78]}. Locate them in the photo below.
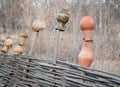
{"type": "Point", "coordinates": [8, 42]}
{"type": "Point", "coordinates": [62, 19]}
{"type": "Point", "coordinates": [18, 50]}
{"type": "Point", "coordinates": [85, 57]}
{"type": "Point", "coordinates": [7, 45]}
{"type": "Point", "coordinates": [5, 49]}
{"type": "Point", "coordinates": [38, 25]}
{"type": "Point", "coordinates": [87, 25]}
{"type": "Point", "coordinates": [23, 37]}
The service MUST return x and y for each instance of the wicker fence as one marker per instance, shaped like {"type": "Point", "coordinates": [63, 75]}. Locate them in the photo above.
{"type": "Point", "coordinates": [16, 71]}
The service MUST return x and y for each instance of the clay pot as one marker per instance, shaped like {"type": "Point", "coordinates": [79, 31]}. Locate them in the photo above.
{"type": "Point", "coordinates": [85, 57]}
{"type": "Point", "coordinates": [23, 37]}
{"type": "Point", "coordinates": [87, 25]}
{"type": "Point", "coordinates": [5, 49]}
{"type": "Point", "coordinates": [38, 25]}
{"type": "Point", "coordinates": [18, 50]}
{"type": "Point", "coordinates": [62, 19]}
{"type": "Point", "coordinates": [8, 42]}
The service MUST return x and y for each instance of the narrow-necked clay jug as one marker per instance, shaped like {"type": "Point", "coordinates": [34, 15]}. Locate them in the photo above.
{"type": "Point", "coordinates": [85, 57]}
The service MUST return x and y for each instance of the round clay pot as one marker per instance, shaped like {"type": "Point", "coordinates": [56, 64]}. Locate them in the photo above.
{"type": "Point", "coordinates": [62, 17]}
{"type": "Point", "coordinates": [38, 25]}
{"type": "Point", "coordinates": [5, 49]}
{"type": "Point", "coordinates": [85, 57]}
{"type": "Point", "coordinates": [87, 23]}
{"type": "Point", "coordinates": [18, 49]}
{"type": "Point", "coordinates": [8, 42]}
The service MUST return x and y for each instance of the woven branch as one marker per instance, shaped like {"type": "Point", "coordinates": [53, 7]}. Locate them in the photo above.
{"type": "Point", "coordinates": [43, 73]}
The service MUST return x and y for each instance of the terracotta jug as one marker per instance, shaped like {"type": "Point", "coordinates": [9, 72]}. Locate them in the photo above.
{"type": "Point", "coordinates": [85, 57]}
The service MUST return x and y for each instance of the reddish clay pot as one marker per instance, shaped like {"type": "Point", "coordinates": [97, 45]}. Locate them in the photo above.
{"type": "Point", "coordinates": [8, 42]}
{"type": "Point", "coordinates": [23, 37]}
{"type": "Point", "coordinates": [87, 25]}
{"type": "Point", "coordinates": [85, 57]}
{"type": "Point", "coordinates": [18, 50]}
{"type": "Point", "coordinates": [5, 49]}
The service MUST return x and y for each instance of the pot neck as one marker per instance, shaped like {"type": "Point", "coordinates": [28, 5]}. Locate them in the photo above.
{"type": "Point", "coordinates": [87, 34]}
{"type": "Point", "coordinates": [87, 45]}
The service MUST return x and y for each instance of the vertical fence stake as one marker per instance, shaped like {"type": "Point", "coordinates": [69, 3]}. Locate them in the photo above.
{"type": "Point", "coordinates": [56, 46]}
{"type": "Point", "coordinates": [62, 19]}
{"type": "Point", "coordinates": [33, 43]}
{"type": "Point", "coordinates": [37, 26]}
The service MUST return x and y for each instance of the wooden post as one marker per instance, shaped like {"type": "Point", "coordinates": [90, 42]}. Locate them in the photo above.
{"type": "Point", "coordinates": [56, 46]}
{"type": "Point", "coordinates": [62, 19]}
{"type": "Point", "coordinates": [33, 43]}
{"type": "Point", "coordinates": [37, 26]}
